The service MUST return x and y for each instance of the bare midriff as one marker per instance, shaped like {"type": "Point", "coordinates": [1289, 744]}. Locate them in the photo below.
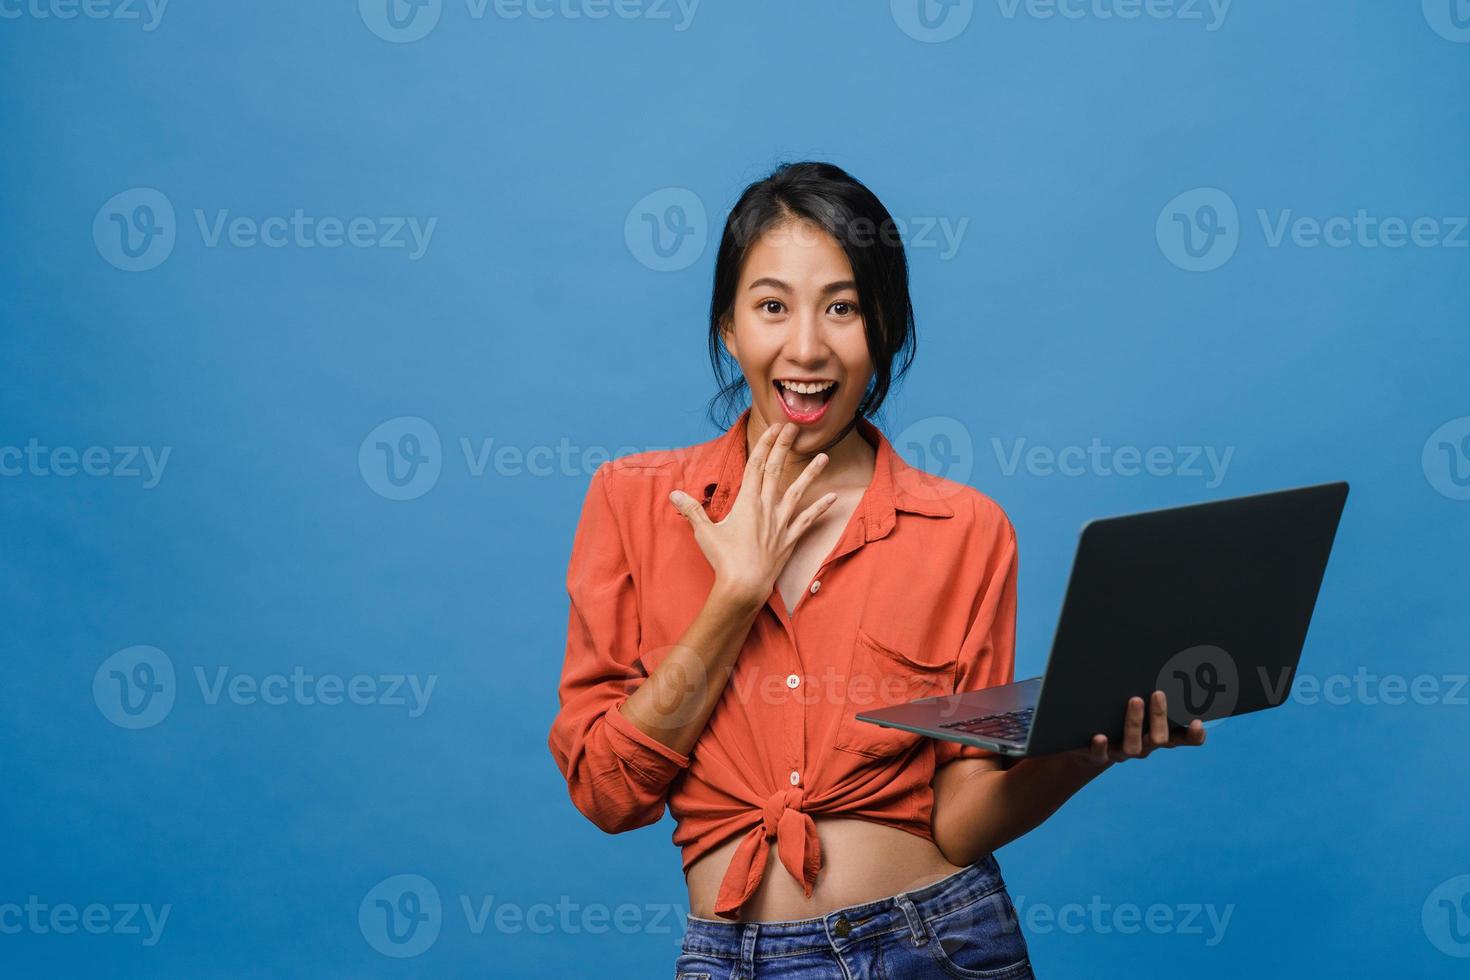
{"type": "Point", "coordinates": [862, 862]}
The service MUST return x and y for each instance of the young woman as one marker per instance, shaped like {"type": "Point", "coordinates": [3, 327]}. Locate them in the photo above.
{"type": "Point", "coordinates": [735, 604]}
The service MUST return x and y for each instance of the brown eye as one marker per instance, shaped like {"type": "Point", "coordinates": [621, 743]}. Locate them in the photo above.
{"type": "Point", "coordinates": [843, 309]}
{"type": "Point", "coordinates": [771, 306]}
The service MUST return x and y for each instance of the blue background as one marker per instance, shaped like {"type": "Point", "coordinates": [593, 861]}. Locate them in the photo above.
{"type": "Point", "coordinates": [531, 319]}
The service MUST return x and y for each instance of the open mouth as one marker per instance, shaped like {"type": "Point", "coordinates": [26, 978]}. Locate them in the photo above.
{"type": "Point", "coordinates": [805, 401]}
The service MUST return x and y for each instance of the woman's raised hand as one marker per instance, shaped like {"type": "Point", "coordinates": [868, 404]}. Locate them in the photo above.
{"type": "Point", "coordinates": [748, 549]}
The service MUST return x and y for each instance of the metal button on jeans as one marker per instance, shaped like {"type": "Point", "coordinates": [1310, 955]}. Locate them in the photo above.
{"type": "Point", "coordinates": [842, 927]}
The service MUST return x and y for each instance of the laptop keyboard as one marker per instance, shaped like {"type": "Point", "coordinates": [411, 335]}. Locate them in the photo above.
{"type": "Point", "coordinates": [1012, 726]}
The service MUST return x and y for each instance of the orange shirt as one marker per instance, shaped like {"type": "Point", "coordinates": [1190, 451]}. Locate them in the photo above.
{"type": "Point", "coordinates": [917, 598]}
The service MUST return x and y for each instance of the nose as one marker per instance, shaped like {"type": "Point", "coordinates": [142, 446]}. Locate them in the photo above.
{"type": "Point", "coordinates": [805, 344]}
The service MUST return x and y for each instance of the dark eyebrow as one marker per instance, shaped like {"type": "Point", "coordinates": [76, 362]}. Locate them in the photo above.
{"type": "Point", "coordinates": [831, 287]}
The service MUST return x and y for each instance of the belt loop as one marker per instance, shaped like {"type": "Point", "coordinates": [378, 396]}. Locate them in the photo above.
{"type": "Point", "coordinates": [916, 924]}
{"type": "Point", "coordinates": [747, 950]}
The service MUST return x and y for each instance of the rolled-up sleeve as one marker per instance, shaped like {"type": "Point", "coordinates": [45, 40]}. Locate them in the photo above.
{"type": "Point", "coordinates": [617, 775]}
{"type": "Point", "coordinates": [988, 651]}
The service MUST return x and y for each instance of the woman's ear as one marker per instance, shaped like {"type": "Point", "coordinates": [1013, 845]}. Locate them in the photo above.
{"type": "Point", "coordinates": [727, 337]}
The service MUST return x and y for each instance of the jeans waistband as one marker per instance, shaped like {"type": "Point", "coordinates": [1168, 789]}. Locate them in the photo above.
{"type": "Point", "coordinates": [906, 911]}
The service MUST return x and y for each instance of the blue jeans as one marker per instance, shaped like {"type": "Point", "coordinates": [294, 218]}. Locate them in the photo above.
{"type": "Point", "coordinates": [961, 926]}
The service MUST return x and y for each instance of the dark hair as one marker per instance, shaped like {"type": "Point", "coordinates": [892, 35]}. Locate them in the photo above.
{"type": "Point", "coordinates": [835, 201]}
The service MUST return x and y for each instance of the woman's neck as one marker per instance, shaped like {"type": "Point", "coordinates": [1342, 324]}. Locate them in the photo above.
{"type": "Point", "coordinates": [850, 458]}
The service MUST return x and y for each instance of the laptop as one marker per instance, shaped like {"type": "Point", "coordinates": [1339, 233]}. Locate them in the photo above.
{"type": "Point", "coordinates": [1209, 603]}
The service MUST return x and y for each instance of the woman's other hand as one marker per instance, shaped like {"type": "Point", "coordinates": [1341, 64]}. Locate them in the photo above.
{"type": "Point", "coordinates": [1138, 743]}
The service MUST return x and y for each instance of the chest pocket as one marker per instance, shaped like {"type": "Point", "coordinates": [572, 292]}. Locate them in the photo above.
{"type": "Point", "coordinates": [882, 676]}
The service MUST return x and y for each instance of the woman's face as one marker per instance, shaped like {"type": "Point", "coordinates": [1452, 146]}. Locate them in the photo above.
{"type": "Point", "coordinates": [798, 334]}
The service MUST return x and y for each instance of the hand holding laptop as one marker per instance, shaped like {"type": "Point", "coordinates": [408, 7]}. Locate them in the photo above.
{"type": "Point", "coordinates": [1142, 734]}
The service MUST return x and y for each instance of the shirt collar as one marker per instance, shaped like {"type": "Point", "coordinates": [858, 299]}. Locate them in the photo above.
{"type": "Point", "coordinates": [896, 485]}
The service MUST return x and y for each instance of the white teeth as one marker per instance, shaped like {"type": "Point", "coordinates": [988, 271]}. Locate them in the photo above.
{"type": "Point", "coordinates": [806, 388]}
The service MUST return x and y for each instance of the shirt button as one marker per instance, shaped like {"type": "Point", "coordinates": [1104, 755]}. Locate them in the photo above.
{"type": "Point", "coordinates": [793, 682]}
{"type": "Point", "coordinates": [795, 778]}
{"type": "Point", "coordinates": [816, 584]}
